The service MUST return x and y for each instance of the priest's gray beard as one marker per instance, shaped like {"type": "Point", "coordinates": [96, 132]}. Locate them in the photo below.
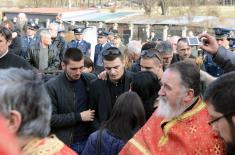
{"type": "Point", "coordinates": [171, 110]}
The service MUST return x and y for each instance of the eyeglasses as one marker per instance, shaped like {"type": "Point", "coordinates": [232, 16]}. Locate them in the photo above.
{"type": "Point", "coordinates": [150, 54]}
{"type": "Point", "coordinates": [218, 118]}
{"type": "Point", "coordinates": [114, 51]}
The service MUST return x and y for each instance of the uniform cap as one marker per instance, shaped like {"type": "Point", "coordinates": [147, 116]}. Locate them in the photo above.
{"type": "Point", "coordinates": [221, 33]}
{"type": "Point", "coordinates": [78, 30]}
{"type": "Point", "coordinates": [102, 33]}
{"type": "Point", "coordinates": [32, 25]}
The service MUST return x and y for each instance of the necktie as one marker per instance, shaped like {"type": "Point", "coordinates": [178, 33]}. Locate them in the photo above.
{"type": "Point", "coordinates": [101, 47]}
{"type": "Point", "coordinates": [78, 43]}
{"type": "Point", "coordinates": [29, 40]}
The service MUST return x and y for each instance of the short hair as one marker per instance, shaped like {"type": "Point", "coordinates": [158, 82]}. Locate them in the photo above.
{"type": "Point", "coordinates": [23, 91]}
{"type": "Point", "coordinates": [88, 62]}
{"type": "Point", "coordinates": [134, 46]}
{"type": "Point", "coordinates": [189, 74]}
{"type": "Point", "coordinates": [112, 53]}
{"type": "Point", "coordinates": [182, 40]}
{"type": "Point", "coordinates": [148, 45]}
{"type": "Point", "coordinates": [164, 47]}
{"type": "Point", "coordinates": [44, 33]}
{"type": "Point", "coordinates": [157, 58]}
{"type": "Point", "coordinates": [73, 54]}
{"type": "Point", "coordinates": [6, 33]}
{"type": "Point", "coordinates": [124, 122]}
{"type": "Point", "coordinates": [9, 24]}
{"type": "Point", "coordinates": [221, 93]}
{"type": "Point", "coordinates": [146, 85]}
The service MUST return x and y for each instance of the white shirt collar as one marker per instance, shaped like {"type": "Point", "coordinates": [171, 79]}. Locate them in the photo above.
{"type": "Point", "coordinates": [3, 54]}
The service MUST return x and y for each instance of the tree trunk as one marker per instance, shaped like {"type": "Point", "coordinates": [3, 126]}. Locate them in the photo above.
{"type": "Point", "coordinates": [163, 7]}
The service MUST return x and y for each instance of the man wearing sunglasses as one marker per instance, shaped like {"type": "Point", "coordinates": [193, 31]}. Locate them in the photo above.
{"type": "Point", "coordinates": [220, 97]}
{"type": "Point", "coordinates": [103, 93]}
{"type": "Point", "coordinates": [151, 60]}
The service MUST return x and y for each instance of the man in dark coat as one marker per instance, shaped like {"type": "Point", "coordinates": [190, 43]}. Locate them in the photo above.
{"type": "Point", "coordinates": [103, 93]}
{"type": "Point", "coordinates": [8, 59]}
{"type": "Point", "coordinates": [69, 95]}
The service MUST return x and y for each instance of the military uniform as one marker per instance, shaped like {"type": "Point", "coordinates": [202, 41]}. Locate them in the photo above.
{"type": "Point", "coordinates": [211, 67]}
{"type": "Point", "coordinates": [83, 45]}
{"type": "Point", "coordinates": [27, 41]}
{"type": "Point", "coordinates": [98, 63]}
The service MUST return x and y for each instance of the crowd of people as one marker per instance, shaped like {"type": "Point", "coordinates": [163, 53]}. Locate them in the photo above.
{"type": "Point", "coordinates": [153, 98]}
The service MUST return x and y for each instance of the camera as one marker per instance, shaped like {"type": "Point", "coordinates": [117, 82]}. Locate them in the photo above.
{"type": "Point", "coordinates": [193, 41]}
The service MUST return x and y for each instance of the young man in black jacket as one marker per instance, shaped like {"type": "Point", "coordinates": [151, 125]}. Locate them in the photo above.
{"type": "Point", "coordinates": [69, 95]}
{"type": "Point", "coordinates": [103, 93]}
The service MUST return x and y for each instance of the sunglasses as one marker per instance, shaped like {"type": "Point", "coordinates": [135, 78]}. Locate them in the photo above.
{"type": "Point", "coordinates": [150, 54]}
{"type": "Point", "coordinates": [114, 51]}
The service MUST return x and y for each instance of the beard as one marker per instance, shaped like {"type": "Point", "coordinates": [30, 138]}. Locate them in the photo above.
{"type": "Point", "coordinates": [166, 110]}
{"type": "Point", "coordinates": [171, 110]}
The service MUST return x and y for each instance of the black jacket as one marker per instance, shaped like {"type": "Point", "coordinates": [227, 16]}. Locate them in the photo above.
{"type": "Point", "coordinates": [100, 99]}
{"type": "Point", "coordinates": [65, 117]}
{"type": "Point", "coordinates": [12, 60]}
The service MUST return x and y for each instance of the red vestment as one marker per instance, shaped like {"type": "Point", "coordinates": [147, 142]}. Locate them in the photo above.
{"type": "Point", "coordinates": [50, 145]}
{"type": "Point", "coordinates": [187, 134]}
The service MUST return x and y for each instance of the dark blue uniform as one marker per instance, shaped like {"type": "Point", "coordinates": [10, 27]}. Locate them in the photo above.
{"type": "Point", "coordinates": [98, 53]}
{"type": "Point", "coordinates": [27, 42]}
{"type": "Point", "coordinates": [83, 45]}
{"type": "Point", "coordinates": [211, 67]}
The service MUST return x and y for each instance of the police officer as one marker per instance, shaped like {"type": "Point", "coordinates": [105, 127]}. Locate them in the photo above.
{"type": "Point", "coordinates": [79, 42]}
{"type": "Point", "coordinates": [30, 39]}
{"type": "Point", "coordinates": [102, 45]}
{"type": "Point", "coordinates": [221, 35]}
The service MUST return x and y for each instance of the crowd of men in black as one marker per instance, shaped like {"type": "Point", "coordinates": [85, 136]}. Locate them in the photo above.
{"type": "Point", "coordinates": [98, 99]}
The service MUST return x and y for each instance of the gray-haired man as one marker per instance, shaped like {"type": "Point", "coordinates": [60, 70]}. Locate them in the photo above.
{"type": "Point", "coordinates": [25, 104]}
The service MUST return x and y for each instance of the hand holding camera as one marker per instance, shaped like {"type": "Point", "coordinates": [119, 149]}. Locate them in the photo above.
{"type": "Point", "coordinates": [209, 43]}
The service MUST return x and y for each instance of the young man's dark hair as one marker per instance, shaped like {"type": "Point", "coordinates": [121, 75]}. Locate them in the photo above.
{"type": "Point", "coordinates": [183, 40]}
{"type": "Point", "coordinates": [149, 45]}
{"type": "Point", "coordinates": [73, 54]}
{"type": "Point", "coordinates": [221, 93]}
{"type": "Point", "coordinates": [6, 33]}
{"type": "Point", "coordinates": [220, 97]}
{"type": "Point", "coordinates": [112, 53]}
{"type": "Point", "coordinates": [88, 62]}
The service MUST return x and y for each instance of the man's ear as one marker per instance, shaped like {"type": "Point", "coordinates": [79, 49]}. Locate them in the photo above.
{"type": "Point", "coordinates": [8, 42]}
{"type": "Point", "coordinates": [233, 119]}
{"type": "Point", "coordinates": [63, 65]}
{"type": "Point", "coordinates": [14, 121]}
{"type": "Point", "coordinates": [189, 96]}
